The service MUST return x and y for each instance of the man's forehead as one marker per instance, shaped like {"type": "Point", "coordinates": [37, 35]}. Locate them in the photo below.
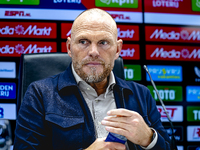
{"type": "Point", "coordinates": [95, 13]}
{"type": "Point", "coordinates": [94, 23]}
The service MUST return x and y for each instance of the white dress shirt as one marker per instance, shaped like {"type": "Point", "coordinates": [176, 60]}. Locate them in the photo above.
{"type": "Point", "coordinates": [100, 105]}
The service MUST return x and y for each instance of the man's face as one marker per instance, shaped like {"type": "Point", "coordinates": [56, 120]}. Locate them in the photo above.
{"type": "Point", "coordinates": [93, 48]}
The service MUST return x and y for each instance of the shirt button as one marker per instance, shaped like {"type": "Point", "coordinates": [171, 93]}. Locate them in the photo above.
{"type": "Point", "coordinates": [88, 89]}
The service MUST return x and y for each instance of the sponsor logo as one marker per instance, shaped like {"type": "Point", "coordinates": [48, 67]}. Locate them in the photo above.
{"type": "Point", "coordinates": [21, 2]}
{"type": "Point", "coordinates": [125, 34]}
{"type": "Point", "coordinates": [175, 113]}
{"type": "Point", "coordinates": [193, 113]}
{"type": "Point", "coordinates": [129, 33]}
{"type": "Point", "coordinates": [193, 133]}
{"type": "Point", "coordinates": [7, 90]}
{"type": "Point", "coordinates": [193, 147]}
{"type": "Point", "coordinates": [197, 73]}
{"type": "Point", "coordinates": [117, 3]}
{"type": "Point", "coordinates": [130, 51]}
{"type": "Point", "coordinates": [67, 1]}
{"type": "Point", "coordinates": [120, 16]}
{"type": "Point", "coordinates": [167, 93]}
{"type": "Point", "coordinates": [178, 133]}
{"type": "Point", "coordinates": [193, 93]}
{"type": "Point", "coordinates": [164, 52]}
{"type": "Point", "coordinates": [172, 34]}
{"type": "Point", "coordinates": [195, 5]}
{"type": "Point", "coordinates": [35, 30]}
{"type": "Point", "coordinates": [166, 3]}
{"type": "Point", "coordinates": [17, 13]}
{"type": "Point", "coordinates": [65, 30]}
{"type": "Point", "coordinates": [8, 111]}
{"type": "Point", "coordinates": [7, 70]}
{"type": "Point", "coordinates": [165, 73]}
{"type": "Point", "coordinates": [132, 72]}
{"type": "Point", "coordinates": [8, 48]}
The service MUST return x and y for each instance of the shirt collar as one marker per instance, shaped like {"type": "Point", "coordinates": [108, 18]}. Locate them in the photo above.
{"type": "Point", "coordinates": [111, 83]}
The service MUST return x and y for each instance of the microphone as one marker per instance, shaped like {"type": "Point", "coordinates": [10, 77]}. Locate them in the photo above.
{"type": "Point", "coordinates": [173, 141]}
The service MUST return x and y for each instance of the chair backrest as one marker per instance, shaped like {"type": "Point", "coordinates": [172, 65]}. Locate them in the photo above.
{"type": "Point", "coordinates": [41, 65]}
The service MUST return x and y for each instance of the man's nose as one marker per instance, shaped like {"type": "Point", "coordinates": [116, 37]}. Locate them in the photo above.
{"type": "Point", "coordinates": [93, 50]}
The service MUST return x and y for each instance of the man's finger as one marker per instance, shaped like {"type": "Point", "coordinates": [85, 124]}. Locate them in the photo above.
{"type": "Point", "coordinates": [120, 112]}
{"type": "Point", "coordinates": [117, 119]}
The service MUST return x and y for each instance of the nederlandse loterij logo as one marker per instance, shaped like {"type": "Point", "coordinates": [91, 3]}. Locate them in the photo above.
{"type": "Point", "coordinates": [21, 2]}
{"type": "Point", "coordinates": [7, 90]}
{"type": "Point", "coordinates": [117, 3]}
{"type": "Point", "coordinates": [196, 5]}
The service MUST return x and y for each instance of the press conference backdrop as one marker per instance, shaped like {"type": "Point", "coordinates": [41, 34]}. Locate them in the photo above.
{"type": "Point", "coordinates": [162, 34]}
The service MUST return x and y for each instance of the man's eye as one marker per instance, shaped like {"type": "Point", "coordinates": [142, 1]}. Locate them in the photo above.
{"type": "Point", "coordinates": [83, 41]}
{"type": "Point", "coordinates": [103, 42]}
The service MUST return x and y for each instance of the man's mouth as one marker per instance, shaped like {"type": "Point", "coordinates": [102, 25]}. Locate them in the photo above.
{"type": "Point", "coordinates": [93, 64]}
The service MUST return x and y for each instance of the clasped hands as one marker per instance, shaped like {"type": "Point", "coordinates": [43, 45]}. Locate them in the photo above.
{"type": "Point", "coordinates": [127, 123]}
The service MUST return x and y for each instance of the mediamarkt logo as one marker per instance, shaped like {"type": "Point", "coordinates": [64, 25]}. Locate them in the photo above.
{"type": "Point", "coordinates": [165, 52]}
{"type": "Point", "coordinates": [130, 51]}
{"type": "Point", "coordinates": [172, 34]}
{"type": "Point", "coordinates": [184, 34]}
{"type": "Point", "coordinates": [30, 30]}
{"type": "Point", "coordinates": [18, 48]}
{"type": "Point", "coordinates": [127, 52]}
{"type": "Point", "coordinates": [11, 29]}
{"type": "Point", "coordinates": [127, 32]}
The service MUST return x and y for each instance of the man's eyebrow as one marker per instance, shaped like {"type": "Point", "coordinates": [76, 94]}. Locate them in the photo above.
{"type": "Point", "coordinates": [82, 37]}
{"type": "Point", "coordinates": [107, 38]}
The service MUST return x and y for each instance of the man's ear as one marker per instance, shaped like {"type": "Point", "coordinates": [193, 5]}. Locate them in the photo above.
{"type": "Point", "coordinates": [119, 47]}
{"type": "Point", "coordinates": [68, 45]}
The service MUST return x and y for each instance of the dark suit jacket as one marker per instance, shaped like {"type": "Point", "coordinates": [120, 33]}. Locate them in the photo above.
{"type": "Point", "coordinates": [55, 116]}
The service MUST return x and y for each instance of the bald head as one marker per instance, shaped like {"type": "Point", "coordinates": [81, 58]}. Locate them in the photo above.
{"type": "Point", "coordinates": [94, 16]}
{"type": "Point", "coordinates": [93, 46]}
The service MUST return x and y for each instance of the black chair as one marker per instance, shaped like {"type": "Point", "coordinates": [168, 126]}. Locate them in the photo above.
{"type": "Point", "coordinates": [41, 65]}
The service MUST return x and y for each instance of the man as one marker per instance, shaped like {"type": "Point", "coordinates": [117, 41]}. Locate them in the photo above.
{"type": "Point", "coordinates": [77, 108]}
